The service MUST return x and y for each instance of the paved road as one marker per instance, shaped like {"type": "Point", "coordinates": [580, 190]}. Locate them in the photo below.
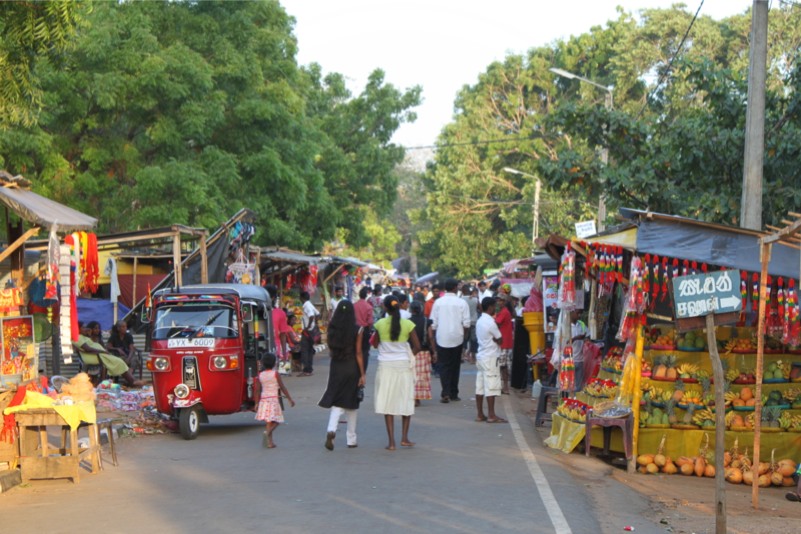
{"type": "Point", "coordinates": [462, 476]}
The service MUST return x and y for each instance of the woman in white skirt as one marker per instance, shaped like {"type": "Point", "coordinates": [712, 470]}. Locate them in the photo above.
{"type": "Point", "coordinates": [394, 381]}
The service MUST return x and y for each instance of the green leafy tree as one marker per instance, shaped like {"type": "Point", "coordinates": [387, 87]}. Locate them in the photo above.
{"type": "Point", "coordinates": [30, 31]}
{"type": "Point", "coordinates": [675, 135]}
{"type": "Point", "coordinates": [184, 112]}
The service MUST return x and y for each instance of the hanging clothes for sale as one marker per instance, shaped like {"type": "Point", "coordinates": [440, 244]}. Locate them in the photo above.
{"type": "Point", "coordinates": [114, 282]}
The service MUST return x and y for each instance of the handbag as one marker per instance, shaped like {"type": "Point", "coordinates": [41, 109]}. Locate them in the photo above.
{"type": "Point", "coordinates": [374, 338]}
{"type": "Point", "coordinates": [316, 334]}
{"type": "Point", "coordinates": [360, 394]}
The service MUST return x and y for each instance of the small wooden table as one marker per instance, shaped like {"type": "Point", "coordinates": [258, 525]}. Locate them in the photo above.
{"type": "Point", "coordinates": [38, 459]}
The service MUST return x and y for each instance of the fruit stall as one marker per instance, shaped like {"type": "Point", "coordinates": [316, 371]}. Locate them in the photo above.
{"type": "Point", "coordinates": [666, 377]}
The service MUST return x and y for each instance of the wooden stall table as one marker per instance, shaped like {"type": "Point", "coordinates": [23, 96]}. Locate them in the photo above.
{"type": "Point", "coordinates": [40, 460]}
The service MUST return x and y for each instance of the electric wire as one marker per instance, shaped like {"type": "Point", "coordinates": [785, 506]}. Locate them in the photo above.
{"type": "Point", "coordinates": [669, 68]}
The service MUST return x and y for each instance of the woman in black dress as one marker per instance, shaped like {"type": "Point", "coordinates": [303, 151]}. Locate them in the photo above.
{"type": "Point", "coordinates": [346, 374]}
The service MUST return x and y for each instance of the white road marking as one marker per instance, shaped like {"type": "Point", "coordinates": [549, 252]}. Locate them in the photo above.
{"type": "Point", "coordinates": [548, 500]}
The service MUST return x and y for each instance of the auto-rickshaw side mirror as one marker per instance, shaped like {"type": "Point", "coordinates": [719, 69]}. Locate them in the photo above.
{"type": "Point", "coordinates": [145, 315]}
{"type": "Point", "coordinates": [247, 313]}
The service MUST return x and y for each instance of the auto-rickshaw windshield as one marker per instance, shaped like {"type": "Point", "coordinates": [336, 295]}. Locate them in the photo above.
{"type": "Point", "coordinates": [195, 320]}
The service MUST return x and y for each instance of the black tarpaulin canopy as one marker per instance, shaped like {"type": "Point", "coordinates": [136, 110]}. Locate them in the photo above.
{"type": "Point", "coordinates": [44, 212]}
{"type": "Point", "coordinates": [715, 244]}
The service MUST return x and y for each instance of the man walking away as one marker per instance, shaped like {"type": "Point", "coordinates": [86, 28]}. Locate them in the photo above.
{"type": "Point", "coordinates": [309, 319]}
{"type": "Point", "coordinates": [450, 322]}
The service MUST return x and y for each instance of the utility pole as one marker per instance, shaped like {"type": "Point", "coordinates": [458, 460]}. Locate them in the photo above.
{"type": "Point", "coordinates": [751, 201]}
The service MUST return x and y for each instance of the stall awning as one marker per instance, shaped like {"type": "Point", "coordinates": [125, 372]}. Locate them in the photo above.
{"type": "Point", "coordinates": [44, 212]}
{"type": "Point", "coordinates": [286, 256]}
{"type": "Point", "coordinates": [626, 238]}
{"type": "Point", "coordinates": [715, 244]}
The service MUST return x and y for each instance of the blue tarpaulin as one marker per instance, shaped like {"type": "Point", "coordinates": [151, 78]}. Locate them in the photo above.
{"type": "Point", "coordinates": [99, 310]}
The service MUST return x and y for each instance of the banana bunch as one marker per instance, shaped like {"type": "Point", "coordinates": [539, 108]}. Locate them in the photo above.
{"type": "Point", "coordinates": [702, 374]}
{"type": "Point", "coordinates": [729, 396]}
{"type": "Point", "coordinates": [660, 395]}
{"type": "Point", "coordinates": [787, 420]}
{"type": "Point", "coordinates": [687, 370]}
{"type": "Point", "coordinates": [732, 374]}
{"type": "Point", "coordinates": [729, 418]}
{"type": "Point", "coordinates": [750, 420]}
{"type": "Point", "coordinates": [704, 417]}
{"type": "Point", "coordinates": [784, 367]}
{"type": "Point", "coordinates": [730, 346]}
{"type": "Point", "coordinates": [791, 394]}
{"type": "Point", "coordinates": [574, 414]}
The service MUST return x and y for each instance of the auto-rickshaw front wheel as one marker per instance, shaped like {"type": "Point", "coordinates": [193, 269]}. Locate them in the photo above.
{"type": "Point", "coordinates": [189, 422]}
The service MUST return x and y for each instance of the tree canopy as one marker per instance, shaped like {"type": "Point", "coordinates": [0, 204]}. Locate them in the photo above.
{"type": "Point", "coordinates": [184, 112]}
{"type": "Point", "coordinates": [675, 135]}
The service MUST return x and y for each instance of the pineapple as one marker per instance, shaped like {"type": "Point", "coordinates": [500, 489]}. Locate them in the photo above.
{"type": "Point", "coordinates": [688, 415]}
{"type": "Point", "coordinates": [660, 369]}
{"type": "Point", "coordinates": [670, 363]}
{"type": "Point", "coordinates": [771, 416]}
{"type": "Point", "coordinates": [670, 408]}
{"type": "Point", "coordinates": [678, 392]}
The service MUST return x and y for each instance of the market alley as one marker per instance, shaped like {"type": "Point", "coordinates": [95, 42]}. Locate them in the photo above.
{"type": "Point", "coordinates": [461, 476]}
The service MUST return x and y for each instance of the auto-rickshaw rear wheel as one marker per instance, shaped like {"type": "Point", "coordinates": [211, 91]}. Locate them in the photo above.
{"type": "Point", "coordinates": [189, 422]}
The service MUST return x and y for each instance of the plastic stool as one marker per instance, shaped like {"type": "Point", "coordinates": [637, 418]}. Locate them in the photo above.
{"type": "Point", "coordinates": [542, 406]}
{"type": "Point", "coordinates": [625, 425]}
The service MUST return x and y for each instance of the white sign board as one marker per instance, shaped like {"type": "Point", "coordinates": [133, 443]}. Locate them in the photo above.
{"type": "Point", "coordinates": [585, 229]}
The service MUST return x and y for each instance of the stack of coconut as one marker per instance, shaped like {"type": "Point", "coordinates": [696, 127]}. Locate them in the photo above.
{"type": "Point", "coordinates": [740, 470]}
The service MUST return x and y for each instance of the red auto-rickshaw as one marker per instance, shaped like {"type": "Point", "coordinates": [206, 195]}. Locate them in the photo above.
{"type": "Point", "coordinates": [205, 342]}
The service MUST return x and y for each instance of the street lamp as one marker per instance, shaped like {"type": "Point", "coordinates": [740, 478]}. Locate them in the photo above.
{"type": "Point", "coordinates": [535, 225]}
{"type": "Point", "coordinates": [605, 151]}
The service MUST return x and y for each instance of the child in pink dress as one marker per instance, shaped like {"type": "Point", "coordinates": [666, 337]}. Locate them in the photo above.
{"type": "Point", "coordinates": [269, 406]}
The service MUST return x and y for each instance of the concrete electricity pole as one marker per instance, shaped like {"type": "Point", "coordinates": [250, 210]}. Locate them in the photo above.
{"type": "Point", "coordinates": [751, 201]}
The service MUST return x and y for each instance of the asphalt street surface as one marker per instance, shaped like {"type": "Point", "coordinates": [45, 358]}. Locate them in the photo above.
{"type": "Point", "coordinates": [461, 476]}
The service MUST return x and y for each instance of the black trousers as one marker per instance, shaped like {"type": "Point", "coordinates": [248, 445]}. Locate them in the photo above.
{"type": "Point", "coordinates": [307, 353]}
{"type": "Point", "coordinates": [368, 331]}
{"type": "Point", "coordinates": [450, 361]}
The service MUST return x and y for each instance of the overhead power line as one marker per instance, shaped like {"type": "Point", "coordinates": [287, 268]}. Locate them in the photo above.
{"type": "Point", "coordinates": [669, 68]}
{"type": "Point", "coordinates": [470, 143]}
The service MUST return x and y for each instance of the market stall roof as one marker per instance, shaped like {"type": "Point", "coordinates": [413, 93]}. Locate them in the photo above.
{"type": "Point", "coordinates": [348, 261]}
{"type": "Point", "coordinates": [690, 239]}
{"type": "Point", "coordinates": [541, 260]}
{"type": "Point", "coordinates": [282, 255]}
{"type": "Point", "coordinates": [42, 211]}
{"type": "Point", "coordinates": [704, 242]}
{"type": "Point", "coordinates": [626, 238]}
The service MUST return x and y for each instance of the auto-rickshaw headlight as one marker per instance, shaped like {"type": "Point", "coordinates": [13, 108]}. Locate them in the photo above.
{"type": "Point", "coordinates": [161, 364]}
{"type": "Point", "coordinates": [220, 362]}
{"type": "Point", "coordinates": [181, 391]}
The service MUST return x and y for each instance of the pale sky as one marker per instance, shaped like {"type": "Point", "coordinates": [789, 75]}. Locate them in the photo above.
{"type": "Point", "coordinates": [443, 45]}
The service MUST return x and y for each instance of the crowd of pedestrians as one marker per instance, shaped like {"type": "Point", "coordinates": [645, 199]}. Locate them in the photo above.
{"type": "Point", "coordinates": [430, 331]}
